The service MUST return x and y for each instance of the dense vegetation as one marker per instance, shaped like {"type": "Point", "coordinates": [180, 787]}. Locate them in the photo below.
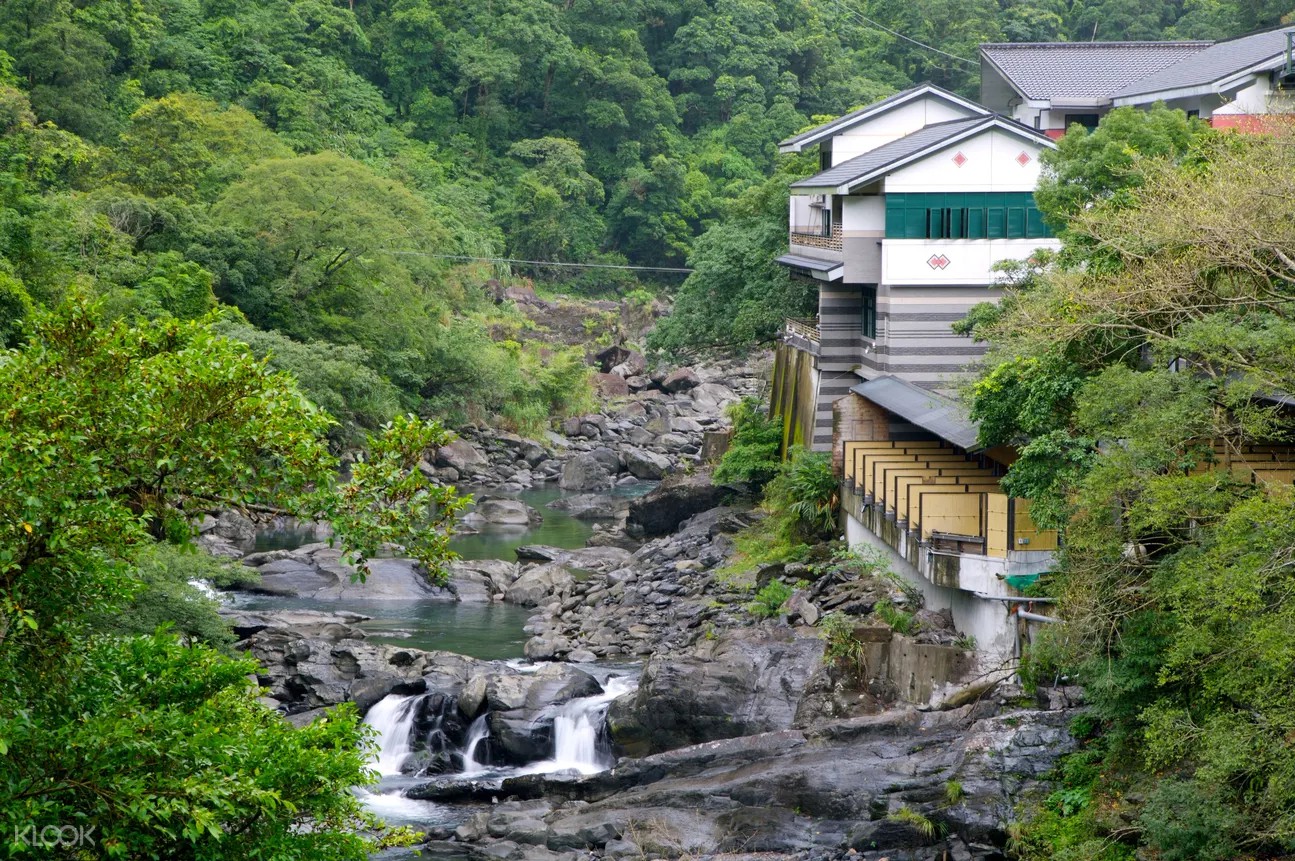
{"type": "Point", "coordinates": [1133, 370]}
{"type": "Point", "coordinates": [121, 713]}
{"type": "Point", "coordinates": [324, 166]}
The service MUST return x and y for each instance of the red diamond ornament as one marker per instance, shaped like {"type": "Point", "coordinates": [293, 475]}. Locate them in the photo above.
{"type": "Point", "coordinates": [938, 261]}
{"type": "Point", "coordinates": [959, 159]}
{"type": "Point", "coordinates": [1024, 158]}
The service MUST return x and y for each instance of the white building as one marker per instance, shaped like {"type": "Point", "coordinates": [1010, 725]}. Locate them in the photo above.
{"type": "Point", "coordinates": [917, 198]}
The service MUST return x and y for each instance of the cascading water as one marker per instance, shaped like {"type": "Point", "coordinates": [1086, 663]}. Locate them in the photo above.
{"type": "Point", "coordinates": [393, 719]}
{"type": "Point", "coordinates": [577, 727]}
{"type": "Point", "coordinates": [477, 733]}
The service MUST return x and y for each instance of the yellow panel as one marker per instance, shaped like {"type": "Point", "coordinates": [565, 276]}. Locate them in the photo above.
{"type": "Point", "coordinates": [916, 492]}
{"type": "Point", "coordinates": [1039, 539]}
{"type": "Point", "coordinates": [1275, 476]}
{"type": "Point", "coordinates": [883, 478]}
{"type": "Point", "coordinates": [898, 483]}
{"type": "Point", "coordinates": [996, 535]}
{"type": "Point", "coordinates": [865, 476]}
{"type": "Point", "coordinates": [956, 513]}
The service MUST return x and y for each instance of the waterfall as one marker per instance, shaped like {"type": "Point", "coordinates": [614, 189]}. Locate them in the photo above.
{"type": "Point", "coordinates": [393, 718]}
{"type": "Point", "coordinates": [577, 726]}
{"type": "Point", "coordinates": [477, 733]}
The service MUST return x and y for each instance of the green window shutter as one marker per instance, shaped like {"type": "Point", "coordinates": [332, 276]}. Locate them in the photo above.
{"type": "Point", "coordinates": [1015, 222]}
{"type": "Point", "coordinates": [894, 219]}
{"type": "Point", "coordinates": [1035, 227]}
{"type": "Point", "coordinates": [997, 222]}
{"type": "Point", "coordinates": [957, 223]}
{"type": "Point", "coordinates": [914, 224]}
{"type": "Point", "coordinates": [976, 223]}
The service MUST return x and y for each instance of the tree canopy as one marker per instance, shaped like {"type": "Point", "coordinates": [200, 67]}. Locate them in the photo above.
{"type": "Point", "coordinates": [1135, 371]}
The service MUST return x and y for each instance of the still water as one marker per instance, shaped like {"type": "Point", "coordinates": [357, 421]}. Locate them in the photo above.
{"type": "Point", "coordinates": [486, 631]}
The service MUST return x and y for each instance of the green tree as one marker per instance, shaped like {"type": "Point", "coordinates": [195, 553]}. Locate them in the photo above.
{"type": "Point", "coordinates": [190, 147]}
{"type": "Point", "coordinates": [113, 436]}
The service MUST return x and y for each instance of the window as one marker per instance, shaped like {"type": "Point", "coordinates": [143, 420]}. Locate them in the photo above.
{"type": "Point", "coordinates": [1088, 121]}
{"type": "Point", "coordinates": [824, 158]}
{"type": "Point", "coordinates": [964, 215]}
{"type": "Point", "coordinates": [827, 221]}
{"type": "Point", "coordinates": [868, 314]}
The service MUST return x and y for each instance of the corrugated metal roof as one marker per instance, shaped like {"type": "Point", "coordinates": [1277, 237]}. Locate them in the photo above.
{"type": "Point", "coordinates": [1083, 70]}
{"type": "Point", "coordinates": [888, 154]}
{"type": "Point", "coordinates": [875, 108]}
{"type": "Point", "coordinates": [1214, 63]}
{"type": "Point", "coordinates": [929, 410]}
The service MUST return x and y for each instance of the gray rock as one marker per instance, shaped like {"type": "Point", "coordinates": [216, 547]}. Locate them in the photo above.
{"type": "Point", "coordinates": [537, 585]}
{"type": "Point", "coordinates": [591, 506]}
{"type": "Point", "coordinates": [646, 464]}
{"type": "Point", "coordinates": [584, 472]}
{"type": "Point", "coordinates": [505, 511]}
{"type": "Point", "coordinates": [461, 456]}
{"type": "Point", "coordinates": [678, 498]}
{"type": "Point", "coordinates": [681, 380]}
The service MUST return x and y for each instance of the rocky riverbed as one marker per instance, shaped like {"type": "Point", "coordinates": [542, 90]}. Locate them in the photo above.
{"type": "Point", "coordinates": [728, 735]}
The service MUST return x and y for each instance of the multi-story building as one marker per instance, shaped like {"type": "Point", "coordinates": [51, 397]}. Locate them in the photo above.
{"type": "Point", "coordinates": [917, 198]}
{"type": "Point", "coordinates": [1231, 84]}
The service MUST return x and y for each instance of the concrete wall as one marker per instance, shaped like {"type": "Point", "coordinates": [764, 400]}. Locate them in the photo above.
{"type": "Point", "coordinates": [856, 419]}
{"type": "Point", "coordinates": [892, 125]}
{"type": "Point", "coordinates": [956, 582]}
{"type": "Point", "coordinates": [794, 395]}
{"type": "Point", "coordinates": [969, 262]}
{"type": "Point", "coordinates": [990, 163]}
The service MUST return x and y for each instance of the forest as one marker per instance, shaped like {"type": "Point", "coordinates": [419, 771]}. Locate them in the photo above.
{"type": "Point", "coordinates": [321, 169]}
{"type": "Point", "coordinates": [239, 239]}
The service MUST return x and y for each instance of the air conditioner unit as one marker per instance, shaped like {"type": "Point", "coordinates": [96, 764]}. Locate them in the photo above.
{"type": "Point", "coordinates": [818, 200]}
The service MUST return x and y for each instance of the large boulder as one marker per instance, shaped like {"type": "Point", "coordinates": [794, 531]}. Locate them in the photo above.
{"type": "Point", "coordinates": [681, 380]}
{"type": "Point", "coordinates": [584, 472]}
{"type": "Point", "coordinates": [540, 584]}
{"type": "Point", "coordinates": [504, 511]}
{"type": "Point", "coordinates": [646, 464]}
{"type": "Point", "coordinates": [591, 506]}
{"type": "Point", "coordinates": [611, 385]}
{"type": "Point", "coordinates": [460, 455]}
{"type": "Point", "coordinates": [676, 499]}
{"type": "Point", "coordinates": [748, 680]}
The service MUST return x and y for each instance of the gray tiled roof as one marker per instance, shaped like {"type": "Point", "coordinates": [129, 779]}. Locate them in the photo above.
{"type": "Point", "coordinates": [875, 107]}
{"type": "Point", "coordinates": [925, 138]}
{"type": "Point", "coordinates": [1212, 64]}
{"type": "Point", "coordinates": [1084, 70]}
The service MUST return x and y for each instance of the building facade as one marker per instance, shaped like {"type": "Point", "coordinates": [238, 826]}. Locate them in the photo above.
{"type": "Point", "coordinates": [917, 199]}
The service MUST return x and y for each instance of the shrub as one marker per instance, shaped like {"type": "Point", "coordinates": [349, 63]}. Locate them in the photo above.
{"type": "Point", "coordinates": [769, 600]}
{"type": "Point", "coordinates": [752, 455]}
{"type": "Point", "coordinates": [1186, 821]}
{"type": "Point", "coordinates": [844, 650]}
{"type": "Point", "coordinates": [803, 495]}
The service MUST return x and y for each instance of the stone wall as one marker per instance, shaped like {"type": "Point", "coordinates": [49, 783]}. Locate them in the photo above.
{"type": "Point", "coordinates": [854, 419]}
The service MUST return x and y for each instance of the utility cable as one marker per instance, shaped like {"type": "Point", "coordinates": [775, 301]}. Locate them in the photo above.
{"type": "Point", "coordinates": [555, 263]}
{"type": "Point", "coordinates": [871, 23]}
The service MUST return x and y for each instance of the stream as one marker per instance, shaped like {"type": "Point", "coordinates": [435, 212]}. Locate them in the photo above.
{"type": "Point", "coordinates": [490, 631]}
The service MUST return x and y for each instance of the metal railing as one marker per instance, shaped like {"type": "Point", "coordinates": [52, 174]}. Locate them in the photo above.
{"type": "Point", "coordinates": [802, 328]}
{"type": "Point", "coordinates": [818, 239]}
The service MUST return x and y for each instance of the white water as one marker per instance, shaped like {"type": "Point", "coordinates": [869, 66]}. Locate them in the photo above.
{"type": "Point", "coordinates": [576, 726]}
{"type": "Point", "coordinates": [393, 718]}
{"type": "Point", "coordinates": [477, 733]}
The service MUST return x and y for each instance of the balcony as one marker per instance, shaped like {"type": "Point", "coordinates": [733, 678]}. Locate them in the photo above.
{"type": "Point", "coordinates": [802, 334]}
{"type": "Point", "coordinates": [829, 240]}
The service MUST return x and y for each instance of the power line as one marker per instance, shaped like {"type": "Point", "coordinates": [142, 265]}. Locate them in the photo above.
{"type": "Point", "coordinates": [871, 23]}
{"type": "Point", "coordinates": [554, 263]}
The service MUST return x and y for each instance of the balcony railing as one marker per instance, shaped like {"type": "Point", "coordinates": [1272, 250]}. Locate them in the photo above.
{"type": "Point", "coordinates": [830, 240]}
{"type": "Point", "coordinates": [802, 328]}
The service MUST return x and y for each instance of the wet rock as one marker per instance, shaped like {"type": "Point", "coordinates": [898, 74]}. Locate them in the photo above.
{"type": "Point", "coordinates": [538, 584]}
{"type": "Point", "coordinates": [678, 498]}
{"type": "Point", "coordinates": [746, 681]}
{"type": "Point", "coordinates": [800, 609]}
{"type": "Point", "coordinates": [235, 527]}
{"type": "Point", "coordinates": [505, 511]}
{"type": "Point", "coordinates": [591, 506]}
